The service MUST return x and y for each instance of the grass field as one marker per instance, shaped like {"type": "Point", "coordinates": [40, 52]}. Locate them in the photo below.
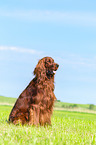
{"type": "Point", "coordinates": [68, 128]}
{"type": "Point", "coordinates": [7, 100]}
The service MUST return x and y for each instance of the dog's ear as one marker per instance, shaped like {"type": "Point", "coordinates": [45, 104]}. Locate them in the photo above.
{"type": "Point", "coordinates": [40, 71]}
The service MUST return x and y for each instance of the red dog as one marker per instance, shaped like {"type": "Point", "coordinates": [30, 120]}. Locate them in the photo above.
{"type": "Point", "coordinates": [35, 104]}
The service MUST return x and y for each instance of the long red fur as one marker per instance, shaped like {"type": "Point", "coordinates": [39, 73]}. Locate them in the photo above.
{"type": "Point", "coordinates": [35, 104]}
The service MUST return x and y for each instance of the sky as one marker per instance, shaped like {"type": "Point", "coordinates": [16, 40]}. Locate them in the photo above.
{"type": "Point", "coordinates": [64, 30]}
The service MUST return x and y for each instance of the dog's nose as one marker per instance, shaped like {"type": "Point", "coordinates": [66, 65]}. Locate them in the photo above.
{"type": "Point", "coordinates": [57, 65]}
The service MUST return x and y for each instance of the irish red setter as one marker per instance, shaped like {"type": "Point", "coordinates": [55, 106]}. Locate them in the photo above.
{"type": "Point", "coordinates": [35, 104]}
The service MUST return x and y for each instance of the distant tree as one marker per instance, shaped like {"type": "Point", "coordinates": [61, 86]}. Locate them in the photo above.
{"type": "Point", "coordinates": [91, 106]}
{"type": "Point", "coordinates": [75, 106]}
{"type": "Point", "coordinates": [63, 106]}
{"type": "Point", "coordinates": [58, 101]}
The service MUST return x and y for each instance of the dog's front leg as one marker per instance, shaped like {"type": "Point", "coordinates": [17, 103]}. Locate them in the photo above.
{"type": "Point", "coordinates": [34, 115]}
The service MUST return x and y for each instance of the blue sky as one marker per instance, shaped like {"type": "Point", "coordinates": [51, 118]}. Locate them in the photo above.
{"type": "Point", "coordinates": [64, 30]}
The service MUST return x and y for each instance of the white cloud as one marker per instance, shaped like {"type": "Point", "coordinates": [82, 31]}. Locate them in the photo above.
{"type": "Point", "coordinates": [17, 49]}
{"type": "Point", "coordinates": [80, 18]}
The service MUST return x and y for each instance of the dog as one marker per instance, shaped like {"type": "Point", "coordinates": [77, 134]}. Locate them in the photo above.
{"type": "Point", "coordinates": [35, 104]}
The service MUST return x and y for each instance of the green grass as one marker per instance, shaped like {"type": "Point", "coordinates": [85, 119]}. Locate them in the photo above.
{"type": "Point", "coordinates": [68, 128]}
{"type": "Point", "coordinates": [8, 100]}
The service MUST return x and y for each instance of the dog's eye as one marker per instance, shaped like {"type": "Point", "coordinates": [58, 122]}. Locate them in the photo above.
{"type": "Point", "coordinates": [49, 61]}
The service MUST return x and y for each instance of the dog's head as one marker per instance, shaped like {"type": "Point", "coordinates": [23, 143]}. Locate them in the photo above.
{"type": "Point", "coordinates": [45, 69]}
